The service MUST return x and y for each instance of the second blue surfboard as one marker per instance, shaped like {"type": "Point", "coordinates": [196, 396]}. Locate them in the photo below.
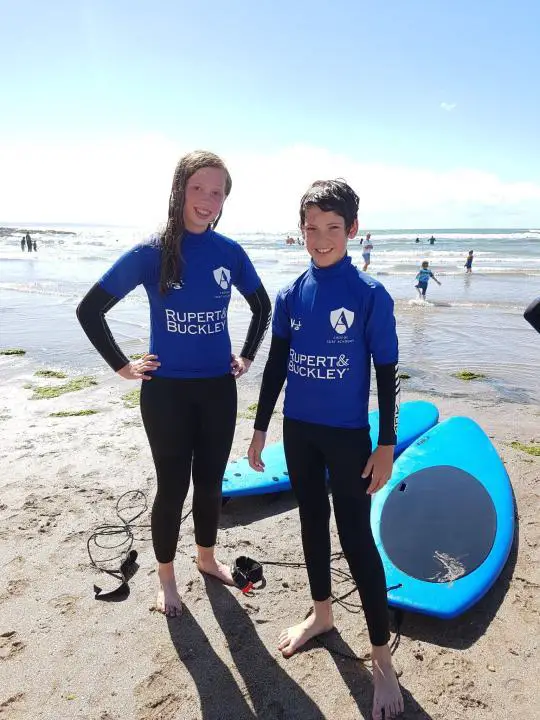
{"type": "Point", "coordinates": [415, 418]}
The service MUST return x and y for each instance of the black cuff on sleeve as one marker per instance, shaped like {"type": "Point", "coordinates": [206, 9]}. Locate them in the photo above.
{"type": "Point", "coordinates": [532, 314]}
{"type": "Point", "coordinates": [91, 315]}
{"type": "Point", "coordinates": [275, 373]}
{"type": "Point", "coordinates": [388, 387]}
{"type": "Point", "coordinates": [261, 309]}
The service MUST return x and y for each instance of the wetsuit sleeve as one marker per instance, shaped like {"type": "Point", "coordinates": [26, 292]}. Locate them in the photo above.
{"type": "Point", "coordinates": [532, 314]}
{"type": "Point", "coordinates": [388, 391]}
{"type": "Point", "coordinates": [127, 272]}
{"type": "Point", "coordinates": [382, 341]}
{"type": "Point", "coordinates": [245, 277]}
{"type": "Point", "coordinates": [275, 373]}
{"type": "Point", "coordinates": [261, 311]}
{"type": "Point", "coordinates": [91, 314]}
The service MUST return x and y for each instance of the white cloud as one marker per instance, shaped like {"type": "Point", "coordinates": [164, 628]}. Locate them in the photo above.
{"type": "Point", "coordinates": [448, 106]}
{"type": "Point", "coordinates": [127, 181]}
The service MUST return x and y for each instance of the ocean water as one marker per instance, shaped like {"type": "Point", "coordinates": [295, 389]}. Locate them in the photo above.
{"type": "Point", "coordinates": [471, 322]}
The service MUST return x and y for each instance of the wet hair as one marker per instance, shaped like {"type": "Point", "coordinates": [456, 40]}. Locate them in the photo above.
{"type": "Point", "coordinates": [331, 196]}
{"type": "Point", "coordinates": [171, 238]}
{"type": "Point", "coordinates": [471, 252]}
{"type": "Point", "coordinates": [425, 262]}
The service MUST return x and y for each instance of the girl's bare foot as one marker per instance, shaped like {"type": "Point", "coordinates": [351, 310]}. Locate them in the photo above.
{"type": "Point", "coordinates": [168, 600]}
{"type": "Point", "coordinates": [320, 621]}
{"type": "Point", "coordinates": [387, 695]}
{"type": "Point", "coordinates": [207, 563]}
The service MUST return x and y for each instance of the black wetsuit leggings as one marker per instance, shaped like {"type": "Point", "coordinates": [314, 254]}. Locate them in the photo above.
{"type": "Point", "coordinates": [309, 450]}
{"type": "Point", "coordinates": [190, 427]}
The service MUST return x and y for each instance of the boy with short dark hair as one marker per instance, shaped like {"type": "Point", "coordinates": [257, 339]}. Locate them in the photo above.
{"type": "Point", "coordinates": [423, 276]}
{"type": "Point", "coordinates": [327, 326]}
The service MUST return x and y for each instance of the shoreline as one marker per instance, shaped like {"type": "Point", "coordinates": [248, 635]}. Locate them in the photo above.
{"type": "Point", "coordinates": [61, 477]}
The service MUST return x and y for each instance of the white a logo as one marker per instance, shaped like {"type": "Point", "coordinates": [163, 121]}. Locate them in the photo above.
{"type": "Point", "coordinates": [222, 276]}
{"type": "Point", "coordinates": [341, 320]}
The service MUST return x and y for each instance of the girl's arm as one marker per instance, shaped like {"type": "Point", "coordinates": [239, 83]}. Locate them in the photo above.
{"type": "Point", "coordinates": [91, 315]}
{"type": "Point", "coordinates": [261, 312]}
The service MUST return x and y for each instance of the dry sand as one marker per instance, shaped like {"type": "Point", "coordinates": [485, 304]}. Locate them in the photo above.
{"type": "Point", "coordinates": [64, 655]}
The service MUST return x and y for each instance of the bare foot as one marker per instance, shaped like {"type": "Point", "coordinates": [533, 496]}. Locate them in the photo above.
{"type": "Point", "coordinates": [387, 697]}
{"type": "Point", "coordinates": [217, 569]}
{"type": "Point", "coordinates": [294, 637]}
{"type": "Point", "coordinates": [168, 600]}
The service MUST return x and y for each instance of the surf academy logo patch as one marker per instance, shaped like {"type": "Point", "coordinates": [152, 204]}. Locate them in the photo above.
{"type": "Point", "coordinates": [222, 276]}
{"type": "Point", "coordinates": [341, 320]}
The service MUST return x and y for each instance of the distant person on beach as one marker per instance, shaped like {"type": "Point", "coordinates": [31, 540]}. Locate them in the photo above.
{"type": "Point", "coordinates": [367, 247]}
{"type": "Point", "coordinates": [432, 240]}
{"type": "Point", "coordinates": [28, 242]}
{"type": "Point", "coordinates": [469, 262]}
{"type": "Point", "coordinates": [532, 314]}
{"type": "Point", "coordinates": [188, 395]}
{"type": "Point", "coordinates": [423, 277]}
{"type": "Point", "coordinates": [290, 241]}
{"type": "Point", "coordinates": [417, 240]}
{"type": "Point", "coordinates": [23, 243]}
{"type": "Point", "coordinates": [326, 418]}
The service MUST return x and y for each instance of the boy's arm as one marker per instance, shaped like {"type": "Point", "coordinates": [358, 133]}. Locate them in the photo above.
{"type": "Point", "coordinates": [388, 388]}
{"type": "Point", "coordinates": [274, 375]}
{"type": "Point", "coordinates": [382, 342]}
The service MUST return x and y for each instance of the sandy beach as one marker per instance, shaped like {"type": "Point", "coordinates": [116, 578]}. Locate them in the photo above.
{"type": "Point", "coordinates": [64, 655]}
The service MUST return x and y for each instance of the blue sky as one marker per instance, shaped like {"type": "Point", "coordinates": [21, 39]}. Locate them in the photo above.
{"type": "Point", "coordinates": [429, 108]}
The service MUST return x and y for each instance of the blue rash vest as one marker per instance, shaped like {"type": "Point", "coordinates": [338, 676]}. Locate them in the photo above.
{"type": "Point", "coordinates": [188, 325]}
{"type": "Point", "coordinates": [335, 319]}
{"type": "Point", "coordinates": [423, 276]}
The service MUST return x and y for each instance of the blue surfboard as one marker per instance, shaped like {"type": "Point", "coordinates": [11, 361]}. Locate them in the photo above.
{"type": "Point", "coordinates": [415, 417]}
{"type": "Point", "coordinates": [444, 523]}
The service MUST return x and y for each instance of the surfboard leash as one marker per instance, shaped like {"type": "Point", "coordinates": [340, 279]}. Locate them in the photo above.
{"type": "Point", "coordinates": [131, 500]}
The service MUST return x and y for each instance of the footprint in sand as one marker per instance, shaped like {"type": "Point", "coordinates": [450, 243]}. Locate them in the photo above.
{"type": "Point", "coordinates": [155, 700]}
{"type": "Point", "coordinates": [66, 604]}
{"type": "Point", "coordinates": [14, 588]}
{"type": "Point", "coordinates": [13, 707]}
{"type": "Point", "coordinates": [10, 645]}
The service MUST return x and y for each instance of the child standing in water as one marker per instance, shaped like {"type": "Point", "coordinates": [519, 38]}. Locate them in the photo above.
{"type": "Point", "coordinates": [367, 247]}
{"type": "Point", "coordinates": [327, 326]}
{"type": "Point", "coordinates": [188, 394]}
{"type": "Point", "coordinates": [469, 262]}
{"type": "Point", "coordinates": [423, 276]}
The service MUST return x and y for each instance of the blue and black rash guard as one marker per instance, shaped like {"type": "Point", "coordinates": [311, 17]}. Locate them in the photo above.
{"type": "Point", "coordinates": [327, 326]}
{"type": "Point", "coordinates": [188, 324]}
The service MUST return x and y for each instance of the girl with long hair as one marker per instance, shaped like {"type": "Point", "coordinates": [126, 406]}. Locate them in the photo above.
{"type": "Point", "coordinates": [188, 394]}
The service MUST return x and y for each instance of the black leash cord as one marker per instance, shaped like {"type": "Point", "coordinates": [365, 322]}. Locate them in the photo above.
{"type": "Point", "coordinates": [124, 532]}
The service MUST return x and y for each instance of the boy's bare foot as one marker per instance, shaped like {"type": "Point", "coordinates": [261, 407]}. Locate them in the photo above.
{"type": "Point", "coordinates": [318, 622]}
{"type": "Point", "coordinates": [387, 697]}
{"type": "Point", "coordinates": [168, 600]}
{"type": "Point", "coordinates": [217, 569]}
